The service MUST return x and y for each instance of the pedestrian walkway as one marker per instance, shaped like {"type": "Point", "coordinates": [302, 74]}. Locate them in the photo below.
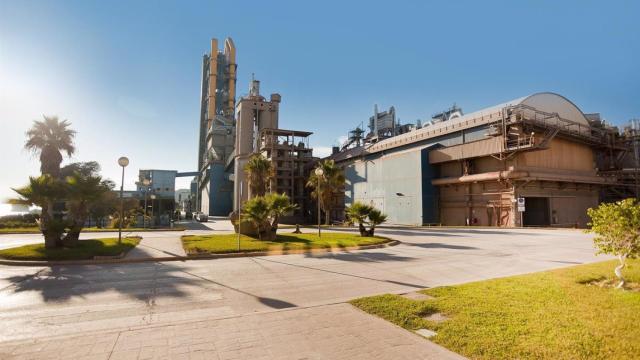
{"type": "Point", "coordinates": [337, 331]}
{"type": "Point", "coordinates": [166, 245]}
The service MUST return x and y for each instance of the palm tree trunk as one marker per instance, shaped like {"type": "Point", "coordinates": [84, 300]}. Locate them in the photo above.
{"type": "Point", "coordinates": [327, 216]}
{"type": "Point", "coordinates": [51, 237]}
{"type": "Point", "coordinates": [371, 230]}
{"type": "Point", "coordinates": [73, 236]}
{"type": "Point", "coordinates": [363, 230]}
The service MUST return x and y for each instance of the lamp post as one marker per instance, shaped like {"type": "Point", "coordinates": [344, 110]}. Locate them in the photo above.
{"type": "Point", "coordinates": [153, 209]}
{"type": "Point", "coordinates": [146, 183]}
{"type": "Point", "coordinates": [240, 215]}
{"type": "Point", "coordinates": [123, 161]}
{"type": "Point", "coordinates": [319, 173]}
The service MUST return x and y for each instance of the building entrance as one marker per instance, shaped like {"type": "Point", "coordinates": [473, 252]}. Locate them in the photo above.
{"type": "Point", "coordinates": [537, 212]}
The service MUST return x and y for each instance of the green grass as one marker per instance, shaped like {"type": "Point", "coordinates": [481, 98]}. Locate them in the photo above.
{"type": "Point", "coordinates": [86, 249]}
{"type": "Point", "coordinates": [546, 315]}
{"type": "Point", "coordinates": [227, 243]}
{"type": "Point", "coordinates": [36, 230]}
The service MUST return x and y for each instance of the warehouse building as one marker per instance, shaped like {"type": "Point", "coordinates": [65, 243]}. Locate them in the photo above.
{"type": "Point", "coordinates": [534, 161]}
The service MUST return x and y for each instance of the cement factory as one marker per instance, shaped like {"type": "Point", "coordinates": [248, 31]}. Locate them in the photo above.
{"type": "Point", "coordinates": [534, 161]}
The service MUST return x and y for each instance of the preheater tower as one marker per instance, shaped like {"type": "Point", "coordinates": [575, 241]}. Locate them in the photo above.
{"type": "Point", "coordinates": [254, 113]}
{"type": "Point", "coordinates": [216, 140]}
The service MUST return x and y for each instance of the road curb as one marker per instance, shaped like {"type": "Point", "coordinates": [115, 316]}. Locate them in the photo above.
{"type": "Point", "coordinates": [195, 257]}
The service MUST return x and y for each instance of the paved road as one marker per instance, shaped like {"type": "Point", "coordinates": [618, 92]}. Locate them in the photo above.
{"type": "Point", "coordinates": [262, 298]}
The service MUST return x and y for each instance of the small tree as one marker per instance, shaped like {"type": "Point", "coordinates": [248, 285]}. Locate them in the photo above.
{"type": "Point", "coordinates": [44, 191]}
{"type": "Point", "coordinates": [365, 214]}
{"type": "Point", "coordinates": [358, 212]}
{"type": "Point", "coordinates": [259, 170]}
{"type": "Point", "coordinates": [84, 188]}
{"type": "Point", "coordinates": [331, 183]}
{"type": "Point", "coordinates": [376, 217]}
{"type": "Point", "coordinates": [264, 213]}
{"type": "Point", "coordinates": [617, 229]}
{"type": "Point", "coordinates": [279, 205]}
{"type": "Point", "coordinates": [100, 210]}
{"type": "Point", "coordinates": [256, 211]}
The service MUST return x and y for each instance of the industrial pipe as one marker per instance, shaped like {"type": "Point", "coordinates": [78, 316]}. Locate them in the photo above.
{"type": "Point", "coordinates": [519, 174]}
{"type": "Point", "coordinates": [488, 176]}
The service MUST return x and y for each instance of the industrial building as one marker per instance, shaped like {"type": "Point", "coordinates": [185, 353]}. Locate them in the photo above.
{"type": "Point", "coordinates": [231, 133]}
{"type": "Point", "coordinates": [534, 161]}
{"type": "Point", "coordinates": [257, 132]}
{"type": "Point", "coordinates": [217, 129]}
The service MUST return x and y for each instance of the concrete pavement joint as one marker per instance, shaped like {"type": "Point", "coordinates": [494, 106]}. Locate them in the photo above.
{"type": "Point", "coordinates": [351, 275]}
{"type": "Point", "coordinates": [114, 344]}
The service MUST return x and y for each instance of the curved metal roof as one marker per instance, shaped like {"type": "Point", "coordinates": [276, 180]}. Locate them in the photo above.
{"type": "Point", "coordinates": [543, 101]}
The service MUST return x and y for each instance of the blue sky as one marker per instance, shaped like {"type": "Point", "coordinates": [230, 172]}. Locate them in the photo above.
{"type": "Point", "coordinates": [127, 73]}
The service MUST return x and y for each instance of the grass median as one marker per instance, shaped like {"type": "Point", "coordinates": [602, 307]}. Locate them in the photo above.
{"type": "Point", "coordinates": [85, 250]}
{"type": "Point", "coordinates": [559, 314]}
{"type": "Point", "coordinates": [227, 243]}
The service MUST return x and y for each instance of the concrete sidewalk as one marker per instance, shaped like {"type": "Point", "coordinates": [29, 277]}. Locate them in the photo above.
{"type": "Point", "coordinates": [156, 247]}
{"type": "Point", "coordinates": [325, 332]}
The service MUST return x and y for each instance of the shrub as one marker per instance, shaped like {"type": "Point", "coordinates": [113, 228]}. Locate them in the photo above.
{"type": "Point", "coordinates": [365, 214]}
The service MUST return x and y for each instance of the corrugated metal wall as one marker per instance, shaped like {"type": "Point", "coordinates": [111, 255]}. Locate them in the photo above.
{"type": "Point", "coordinates": [221, 196]}
{"type": "Point", "coordinates": [392, 183]}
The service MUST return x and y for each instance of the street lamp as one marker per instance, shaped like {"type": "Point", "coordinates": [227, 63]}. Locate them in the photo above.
{"type": "Point", "coordinates": [123, 161]}
{"type": "Point", "coordinates": [146, 183]}
{"type": "Point", "coordinates": [153, 209]}
{"type": "Point", "coordinates": [319, 173]}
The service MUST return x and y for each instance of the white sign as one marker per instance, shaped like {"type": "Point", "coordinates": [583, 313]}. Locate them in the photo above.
{"type": "Point", "coordinates": [521, 204]}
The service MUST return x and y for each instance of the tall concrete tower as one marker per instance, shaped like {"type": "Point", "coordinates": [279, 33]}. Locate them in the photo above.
{"type": "Point", "coordinates": [253, 113]}
{"type": "Point", "coordinates": [216, 140]}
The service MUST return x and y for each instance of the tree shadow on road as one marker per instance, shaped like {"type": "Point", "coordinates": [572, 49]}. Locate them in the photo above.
{"type": "Point", "coordinates": [139, 281]}
{"type": "Point", "coordinates": [145, 282]}
{"type": "Point", "coordinates": [194, 225]}
{"type": "Point", "coordinates": [417, 232]}
{"type": "Point", "coordinates": [360, 256]}
{"type": "Point", "coordinates": [441, 246]}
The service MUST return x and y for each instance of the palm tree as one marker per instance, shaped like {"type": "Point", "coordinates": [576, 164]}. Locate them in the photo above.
{"type": "Point", "coordinates": [49, 138]}
{"type": "Point", "coordinates": [256, 211]}
{"type": "Point", "coordinates": [84, 188]}
{"type": "Point", "coordinates": [279, 205]}
{"type": "Point", "coordinates": [358, 212]}
{"type": "Point", "coordinates": [44, 191]}
{"type": "Point", "coordinates": [376, 217]}
{"type": "Point", "coordinates": [260, 171]}
{"type": "Point", "coordinates": [331, 183]}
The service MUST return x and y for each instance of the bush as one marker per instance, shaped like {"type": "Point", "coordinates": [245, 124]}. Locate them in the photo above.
{"type": "Point", "coordinates": [18, 221]}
